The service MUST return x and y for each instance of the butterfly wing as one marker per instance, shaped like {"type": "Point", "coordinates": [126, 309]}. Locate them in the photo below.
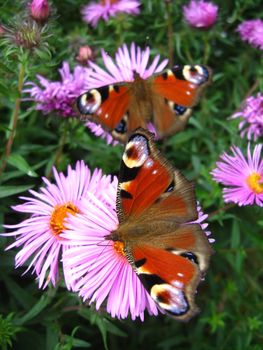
{"type": "Point", "coordinates": [155, 204]}
{"type": "Point", "coordinates": [107, 106]}
{"type": "Point", "coordinates": [176, 91]}
{"type": "Point", "coordinates": [145, 175]}
{"type": "Point", "coordinates": [182, 84]}
{"type": "Point", "coordinates": [170, 279]}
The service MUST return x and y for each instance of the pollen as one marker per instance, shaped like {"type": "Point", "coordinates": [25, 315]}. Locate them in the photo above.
{"type": "Point", "coordinates": [255, 183]}
{"type": "Point", "coordinates": [60, 213]}
{"type": "Point", "coordinates": [119, 247]}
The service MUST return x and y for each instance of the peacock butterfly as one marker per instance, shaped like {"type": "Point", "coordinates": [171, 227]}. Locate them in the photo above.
{"type": "Point", "coordinates": [155, 207]}
{"type": "Point", "coordinates": [165, 99]}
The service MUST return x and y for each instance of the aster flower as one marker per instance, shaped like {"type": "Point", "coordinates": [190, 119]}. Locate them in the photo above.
{"type": "Point", "coordinates": [127, 63]}
{"type": "Point", "coordinates": [97, 267]}
{"type": "Point", "coordinates": [251, 31]}
{"type": "Point", "coordinates": [105, 9]}
{"type": "Point", "coordinates": [252, 117]}
{"type": "Point", "coordinates": [243, 176]}
{"type": "Point", "coordinates": [59, 96]}
{"type": "Point", "coordinates": [40, 234]}
{"type": "Point", "coordinates": [39, 10]}
{"type": "Point", "coordinates": [200, 13]}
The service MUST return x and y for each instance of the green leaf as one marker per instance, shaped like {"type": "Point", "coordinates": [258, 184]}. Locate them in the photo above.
{"type": "Point", "coordinates": [19, 293]}
{"type": "Point", "coordinates": [20, 163]}
{"type": "Point", "coordinates": [235, 237]}
{"type": "Point", "coordinates": [6, 191]}
{"type": "Point", "coordinates": [36, 309]}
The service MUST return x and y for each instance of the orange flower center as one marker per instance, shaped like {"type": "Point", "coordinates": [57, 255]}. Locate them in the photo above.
{"type": "Point", "coordinates": [58, 216]}
{"type": "Point", "coordinates": [119, 247]}
{"type": "Point", "coordinates": [255, 183]}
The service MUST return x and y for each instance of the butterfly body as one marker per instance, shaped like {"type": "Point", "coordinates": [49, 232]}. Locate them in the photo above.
{"type": "Point", "coordinates": [156, 208]}
{"type": "Point", "coordinates": [166, 99]}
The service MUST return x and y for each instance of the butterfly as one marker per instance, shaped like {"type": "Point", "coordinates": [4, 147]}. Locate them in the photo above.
{"type": "Point", "coordinates": [166, 99]}
{"type": "Point", "coordinates": [155, 204]}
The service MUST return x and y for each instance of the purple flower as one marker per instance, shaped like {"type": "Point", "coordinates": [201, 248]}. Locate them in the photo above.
{"type": "Point", "coordinates": [244, 177]}
{"type": "Point", "coordinates": [40, 236]}
{"type": "Point", "coordinates": [98, 268]}
{"type": "Point", "coordinates": [59, 96]}
{"type": "Point", "coordinates": [201, 221]}
{"type": "Point", "coordinates": [39, 10]}
{"type": "Point", "coordinates": [200, 14]}
{"type": "Point", "coordinates": [104, 9]}
{"type": "Point", "coordinates": [252, 117]}
{"type": "Point", "coordinates": [252, 32]}
{"type": "Point", "coordinates": [127, 63]}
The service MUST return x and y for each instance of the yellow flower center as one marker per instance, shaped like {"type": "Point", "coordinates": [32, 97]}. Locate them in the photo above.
{"type": "Point", "coordinates": [58, 216]}
{"type": "Point", "coordinates": [255, 183]}
{"type": "Point", "coordinates": [119, 247]}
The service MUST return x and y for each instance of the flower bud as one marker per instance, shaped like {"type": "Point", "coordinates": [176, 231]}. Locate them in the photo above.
{"type": "Point", "coordinates": [85, 53]}
{"type": "Point", "coordinates": [39, 10]}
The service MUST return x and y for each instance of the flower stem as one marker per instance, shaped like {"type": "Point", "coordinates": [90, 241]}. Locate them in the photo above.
{"type": "Point", "coordinates": [206, 50]}
{"type": "Point", "coordinates": [60, 148]}
{"type": "Point", "coordinates": [168, 6]}
{"type": "Point", "coordinates": [14, 117]}
{"type": "Point", "coordinates": [224, 208]}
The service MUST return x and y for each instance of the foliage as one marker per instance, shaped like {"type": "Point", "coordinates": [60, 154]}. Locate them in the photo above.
{"type": "Point", "coordinates": [231, 297]}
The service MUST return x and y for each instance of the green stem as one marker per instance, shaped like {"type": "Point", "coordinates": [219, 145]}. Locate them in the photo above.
{"type": "Point", "coordinates": [14, 117]}
{"type": "Point", "coordinates": [60, 148]}
{"type": "Point", "coordinates": [206, 49]}
{"type": "Point", "coordinates": [226, 207]}
{"type": "Point", "coordinates": [169, 23]}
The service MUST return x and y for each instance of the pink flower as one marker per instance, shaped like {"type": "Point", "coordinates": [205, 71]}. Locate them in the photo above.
{"type": "Point", "coordinates": [201, 221]}
{"type": "Point", "coordinates": [105, 9]}
{"type": "Point", "coordinates": [244, 177]}
{"type": "Point", "coordinates": [97, 268]}
{"type": "Point", "coordinates": [252, 117]}
{"type": "Point", "coordinates": [40, 236]}
{"type": "Point", "coordinates": [127, 63]}
{"type": "Point", "coordinates": [252, 32]}
{"type": "Point", "coordinates": [59, 96]}
{"type": "Point", "coordinates": [39, 10]}
{"type": "Point", "coordinates": [200, 14]}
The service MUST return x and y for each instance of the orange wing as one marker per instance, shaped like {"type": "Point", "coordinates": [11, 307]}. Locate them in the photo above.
{"type": "Point", "coordinates": [176, 91]}
{"type": "Point", "coordinates": [182, 84]}
{"type": "Point", "coordinates": [106, 105]}
{"type": "Point", "coordinates": [170, 279]}
{"type": "Point", "coordinates": [155, 204]}
{"type": "Point", "coordinates": [147, 182]}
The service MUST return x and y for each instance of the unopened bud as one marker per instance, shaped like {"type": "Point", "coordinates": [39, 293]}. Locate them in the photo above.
{"type": "Point", "coordinates": [85, 54]}
{"type": "Point", "coordinates": [39, 10]}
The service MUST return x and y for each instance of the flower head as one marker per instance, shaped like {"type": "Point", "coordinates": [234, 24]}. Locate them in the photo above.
{"type": "Point", "coordinates": [25, 33]}
{"type": "Point", "coordinates": [200, 14]}
{"type": "Point", "coordinates": [98, 268]}
{"type": "Point", "coordinates": [105, 9]}
{"type": "Point", "coordinates": [39, 10]}
{"type": "Point", "coordinates": [40, 236]}
{"type": "Point", "coordinates": [252, 117]}
{"type": "Point", "coordinates": [127, 63]}
{"type": "Point", "coordinates": [243, 176]}
{"type": "Point", "coordinates": [59, 96]}
{"type": "Point", "coordinates": [252, 32]}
